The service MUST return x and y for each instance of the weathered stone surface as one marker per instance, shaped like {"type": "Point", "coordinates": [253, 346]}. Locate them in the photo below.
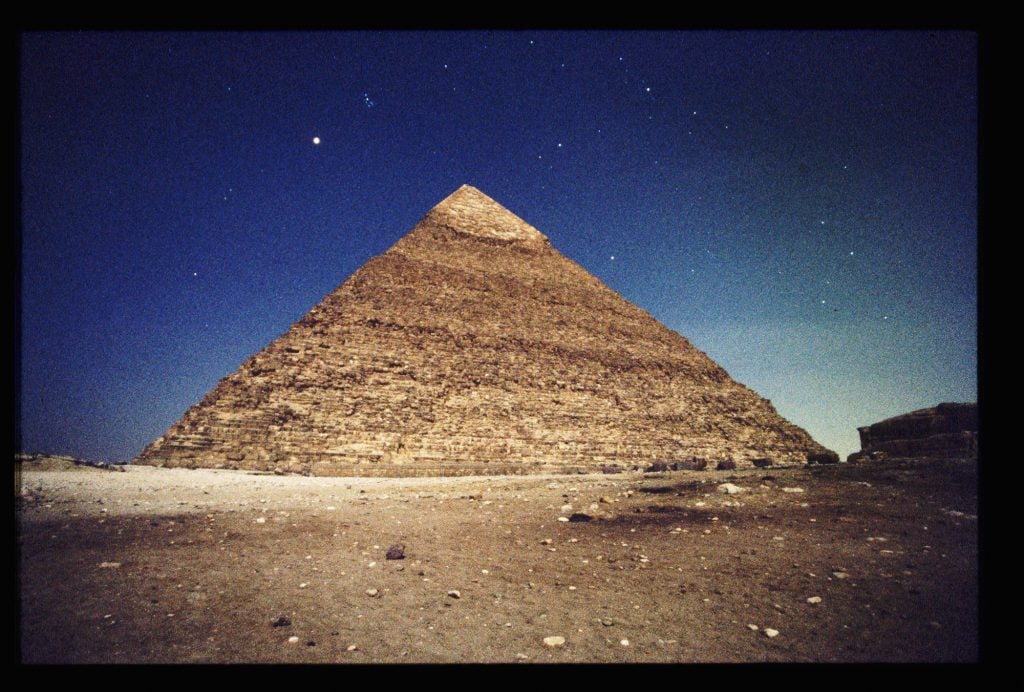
{"type": "Point", "coordinates": [948, 430]}
{"type": "Point", "coordinates": [472, 346]}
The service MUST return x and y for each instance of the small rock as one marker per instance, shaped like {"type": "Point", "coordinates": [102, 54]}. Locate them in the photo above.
{"type": "Point", "coordinates": [566, 508]}
{"type": "Point", "coordinates": [563, 518]}
{"type": "Point", "coordinates": [352, 647]}
{"type": "Point", "coordinates": [579, 516]}
{"type": "Point", "coordinates": [554, 641]}
{"type": "Point", "coordinates": [607, 622]}
{"type": "Point", "coordinates": [770, 633]}
{"type": "Point", "coordinates": [282, 621]}
{"type": "Point", "coordinates": [303, 585]}
{"type": "Point", "coordinates": [396, 552]}
{"type": "Point", "coordinates": [814, 600]}
{"type": "Point", "coordinates": [840, 575]}
{"type": "Point", "coordinates": [726, 465]}
{"type": "Point", "coordinates": [293, 640]}
{"type": "Point", "coordinates": [624, 642]}
{"type": "Point", "coordinates": [372, 593]}
{"type": "Point", "coordinates": [521, 656]}
{"type": "Point", "coordinates": [752, 627]}
{"type": "Point", "coordinates": [792, 490]}
{"type": "Point", "coordinates": [546, 541]}
{"type": "Point", "coordinates": [109, 565]}
{"type": "Point", "coordinates": [606, 500]}
{"type": "Point", "coordinates": [261, 520]}
{"type": "Point", "coordinates": [729, 489]}
{"type": "Point", "coordinates": [455, 593]}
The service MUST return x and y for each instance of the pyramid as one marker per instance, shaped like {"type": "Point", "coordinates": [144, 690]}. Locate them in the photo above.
{"type": "Point", "coordinates": [472, 346]}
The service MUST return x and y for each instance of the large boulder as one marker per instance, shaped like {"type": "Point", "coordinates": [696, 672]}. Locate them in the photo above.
{"type": "Point", "coordinates": [825, 457]}
{"type": "Point", "coordinates": [949, 430]}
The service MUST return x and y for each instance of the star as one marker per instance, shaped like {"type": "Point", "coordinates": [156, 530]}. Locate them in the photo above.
{"type": "Point", "coordinates": [316, 140]}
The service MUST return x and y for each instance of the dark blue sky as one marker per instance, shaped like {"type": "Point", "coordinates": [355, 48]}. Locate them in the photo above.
{"type": "Point", "coordinates": [801, 205]}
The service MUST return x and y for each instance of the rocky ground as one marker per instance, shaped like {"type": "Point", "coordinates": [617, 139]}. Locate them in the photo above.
{"type": "Point", "coordinates": [868, 562]}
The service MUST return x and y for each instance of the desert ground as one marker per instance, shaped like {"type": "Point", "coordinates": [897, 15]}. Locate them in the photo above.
{"type": "Point", "coordinates": [846, 563]}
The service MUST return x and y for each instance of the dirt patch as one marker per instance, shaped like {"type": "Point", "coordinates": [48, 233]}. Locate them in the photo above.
{"type": "Point", "coordinates": [172, 565]}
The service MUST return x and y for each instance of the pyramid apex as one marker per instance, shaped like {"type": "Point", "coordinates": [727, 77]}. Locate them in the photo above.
{"type": "Point", "coordinates": [472, 212]}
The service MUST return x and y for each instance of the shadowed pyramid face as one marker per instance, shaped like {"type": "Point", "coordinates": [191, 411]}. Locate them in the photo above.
{"type": "Point", "coordinates": [472, 346]}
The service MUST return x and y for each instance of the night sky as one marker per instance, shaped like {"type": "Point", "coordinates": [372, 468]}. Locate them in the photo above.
{"type": "Point", "coordinates": [802, 206]}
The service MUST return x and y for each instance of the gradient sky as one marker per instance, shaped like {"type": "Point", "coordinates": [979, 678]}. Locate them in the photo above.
{"type": "Point", "coordinates": [801, 205]}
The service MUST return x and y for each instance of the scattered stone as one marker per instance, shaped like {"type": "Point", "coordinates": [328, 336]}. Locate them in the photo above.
{"type": "Point", "coordinates": [762, 463]}
{"type": "Point", "coordinates": [694, 464]}
{"type": "Point", "coordinates": [293, 640]}
{"type": "Point", "coordinates": [554, 642]}
{"type": "Point", "coordinates": [261, 520]}
{"type": "Point", "coordinates": [607, 622]}
{"type": "Point", "coordinates": [372, 593]}
{"type": "Point", "coordinates": [770, 633]}
{"type": "Point", "coordinates": [566, 508]}
{"type": "Point", "coordinates": [455, 593]}
{"type": "Point", "coordinates": [522, 656]}
{"type": "Point", "coordinates": [753, 628]}
{"type": "Point", "coordinates": [352, 647]}
{"type": "Point", "coordinates": [396, 552]}
{"type": "Point", "coordinates": [546, 541]}
{"type": "Point", "coordinates": [282, 621]}
{"type": "Point", "coordinates": [109, 565]}
{"type": "Point", "coordinates": [613, 468]}
{"type": "Point", "coordinates": [624, 642]}
{"type": "Point", "coordinates": [579, 516]}
{"type": "Point", "coordinates": [814, 600]}
{"type": "Point", "coordinates": [825, 457]}
{"type": "Point", "coordinates": [792, 490]}
{"type": "Point", "coordinates": [726, 465]}
{"type": "Point", "coordinates": [606, 500]}
{"type": "Point", "coordinates": [657, 466]}
{"type": "Point", "coordinates": [303, 585]}
{"type": "Point", "coordinates": [840, 575]}
{"type": "Point", "coordinates": [729, 489]}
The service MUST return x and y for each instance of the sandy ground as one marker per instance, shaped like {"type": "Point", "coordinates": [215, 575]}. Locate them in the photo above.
{"type": "Point", "coordinates": [874, 562]}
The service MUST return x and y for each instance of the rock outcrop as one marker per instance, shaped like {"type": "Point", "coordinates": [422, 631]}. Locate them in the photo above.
{"type": "Point", "coordinates": [472, 346]}
{"type": "Point", "coordinates": [948, 431]}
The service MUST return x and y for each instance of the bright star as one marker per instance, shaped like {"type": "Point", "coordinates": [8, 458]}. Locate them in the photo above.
{"type": "Point", "coordinates": [316, 140]}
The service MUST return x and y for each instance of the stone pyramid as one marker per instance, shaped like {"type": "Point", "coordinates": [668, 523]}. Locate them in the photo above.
{"type": "Point", "coordinates": [472, 346]}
